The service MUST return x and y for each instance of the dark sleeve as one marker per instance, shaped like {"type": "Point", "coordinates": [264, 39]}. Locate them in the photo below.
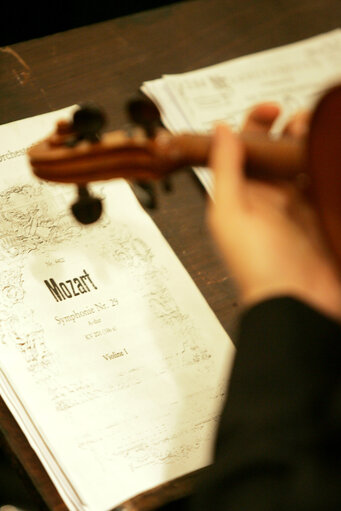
{"type": "Point", "coordinates": [278, 444]}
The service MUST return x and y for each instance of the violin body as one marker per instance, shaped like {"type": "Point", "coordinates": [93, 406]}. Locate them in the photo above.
{"type": "Point", "coordinates": [324, 165]}
{"type": "Point", "coordinates": [64, 159]}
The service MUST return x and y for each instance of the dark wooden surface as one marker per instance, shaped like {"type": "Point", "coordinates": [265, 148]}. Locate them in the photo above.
{"type": "Point", "coordinates": [106, 63]}
{"type": "Point", "coordinates": [36, 19]}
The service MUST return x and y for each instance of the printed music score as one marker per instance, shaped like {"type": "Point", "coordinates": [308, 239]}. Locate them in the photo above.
{"type": "Point", "coordinates": [293, 76]}
{"type": "Point", "coordinates": [111, 360]}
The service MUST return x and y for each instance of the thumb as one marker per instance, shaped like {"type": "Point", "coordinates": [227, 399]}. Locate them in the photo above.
{"type": "Point", "coordinates": [226, 161]}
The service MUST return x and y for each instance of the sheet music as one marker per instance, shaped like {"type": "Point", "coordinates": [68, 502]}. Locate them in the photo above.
{"type": "Point", "coordinates": [110, 358]}
{"type": "Point", "coordinates": [292, 76]}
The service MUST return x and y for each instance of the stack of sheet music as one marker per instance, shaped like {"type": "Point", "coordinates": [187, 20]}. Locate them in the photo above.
{"type": "Point", "coordinates": [111, 361]}
{"type": "Point", "coordinates": [292, 76]}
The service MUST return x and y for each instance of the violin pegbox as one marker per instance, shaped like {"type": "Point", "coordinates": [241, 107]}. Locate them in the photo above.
{"type": "Point", "coordinates": [86, 126]}
{"type": "Point", "coordinates": [79, 153]}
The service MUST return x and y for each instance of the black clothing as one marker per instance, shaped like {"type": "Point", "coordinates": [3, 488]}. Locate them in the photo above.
{"type": "Point", "coordinates": [278, 445]}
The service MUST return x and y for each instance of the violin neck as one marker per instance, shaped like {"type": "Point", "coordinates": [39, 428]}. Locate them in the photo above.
{"type": "Point", "coordinates": [266, 158]}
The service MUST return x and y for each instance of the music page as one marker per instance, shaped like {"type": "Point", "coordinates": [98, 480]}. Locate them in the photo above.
{"type": "Point", "coordinates": [293, 76]}
{"type": "Point", "coordinates": [111, 360]}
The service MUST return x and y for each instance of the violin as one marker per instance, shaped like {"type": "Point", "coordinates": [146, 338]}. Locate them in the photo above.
{"type": "Point", "coordinates": [77, 153]}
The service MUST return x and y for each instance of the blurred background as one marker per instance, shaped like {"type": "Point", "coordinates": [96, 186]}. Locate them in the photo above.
{"type": "Point", "coordinates": [22, 21]}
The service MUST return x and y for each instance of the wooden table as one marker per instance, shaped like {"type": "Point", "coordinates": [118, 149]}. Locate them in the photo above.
{"type": "Point", "coordinates": [106, 63]}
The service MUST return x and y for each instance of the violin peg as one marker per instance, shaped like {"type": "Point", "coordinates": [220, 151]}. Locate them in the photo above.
{"type": "Point", "coordinates": [167, 184]}
{"type": "Point", "coordinates": [88, 122]}
{"type": "Point", "coordinates": [87, 209]}
{"type": "Point", "coordinates": [144, 113]}
{"type": "Point", "coordinates": [145, 194]}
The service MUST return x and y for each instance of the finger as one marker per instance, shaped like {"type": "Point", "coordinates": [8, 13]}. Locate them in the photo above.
{"type": "Point", "coordinates": [261, 118]}
{"type": "Point", "coordinates": [277, 195]}
{"type": "Point", "coordinates": [226, 161]}
{"type": "Point", "coordinates": [298, 125]}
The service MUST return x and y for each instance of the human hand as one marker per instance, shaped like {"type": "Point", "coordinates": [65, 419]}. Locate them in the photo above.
{"type": "Point", "coordinates": [269, 234]}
